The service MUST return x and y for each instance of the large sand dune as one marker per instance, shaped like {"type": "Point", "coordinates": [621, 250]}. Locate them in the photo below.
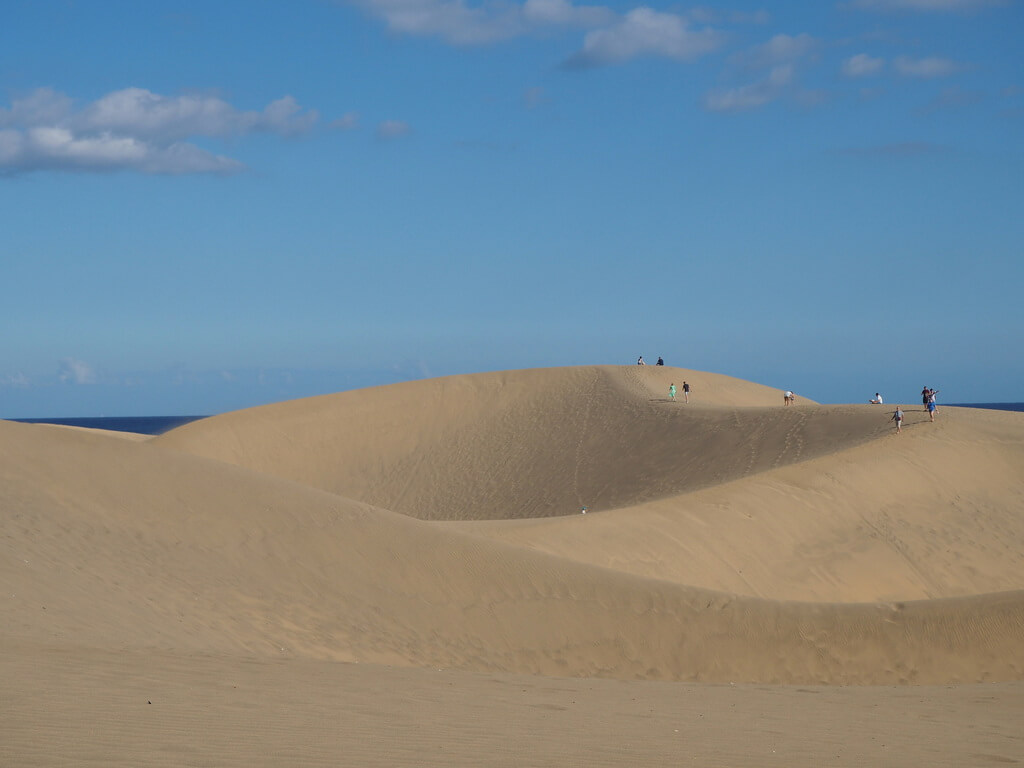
{"type": "Point", "coordinates": [729, 540]}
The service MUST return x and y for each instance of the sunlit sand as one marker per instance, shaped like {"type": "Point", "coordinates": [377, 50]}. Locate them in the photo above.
{"type": "Point", "coordinates": [402, 576]}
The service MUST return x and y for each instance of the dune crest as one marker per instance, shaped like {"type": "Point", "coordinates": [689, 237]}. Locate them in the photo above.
{"type": "Point", "coordinates": [520, 444]}
{"type": "Point", "coordinates": [211, 539]}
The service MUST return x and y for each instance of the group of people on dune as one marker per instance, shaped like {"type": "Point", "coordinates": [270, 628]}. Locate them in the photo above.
{"type": "Point", "coordinates": [927, 400]}
{"type": "Point", "coordinates": [671, 387]}
{"type": "Point", "coordinates": [789, 398]}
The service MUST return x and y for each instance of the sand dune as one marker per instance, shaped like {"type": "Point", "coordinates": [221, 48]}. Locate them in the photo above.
{"type": "Point", "coordinates": [436, 525]}
{"type": "Point", "coordinates": [525, 443]}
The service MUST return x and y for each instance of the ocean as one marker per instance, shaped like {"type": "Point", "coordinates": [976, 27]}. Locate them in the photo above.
{"type": "Point", "coordinates": [143, 425]}
{"type": "Point", "coordinates": [157, 425]}
{"type": "Point", "coordinates": [992, 406]}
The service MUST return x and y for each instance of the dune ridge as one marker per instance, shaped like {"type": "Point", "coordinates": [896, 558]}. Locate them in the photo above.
{"type": "Point", "coordinates": [235, 562]}
{"type": "Point", "coordinates": [401, 576]}
{"type": "Point", "coordinates": [516, 444]}
{"type": "Point", "coordinates": [165, 544]}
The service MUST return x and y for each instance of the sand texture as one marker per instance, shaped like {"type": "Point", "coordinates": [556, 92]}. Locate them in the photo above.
{"type": "Point", "coordinates": [402, 576]}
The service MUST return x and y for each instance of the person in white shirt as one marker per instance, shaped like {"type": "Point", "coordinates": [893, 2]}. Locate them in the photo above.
{"type": "Point", "coordinates": [877, 400]}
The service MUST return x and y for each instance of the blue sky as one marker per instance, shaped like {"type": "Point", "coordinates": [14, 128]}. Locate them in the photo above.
{"type": "Point", "coordinates": [212, 205]}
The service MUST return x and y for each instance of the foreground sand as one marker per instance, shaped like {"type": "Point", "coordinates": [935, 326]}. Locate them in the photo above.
{"type": "Point", "coordinates": [730, 542]}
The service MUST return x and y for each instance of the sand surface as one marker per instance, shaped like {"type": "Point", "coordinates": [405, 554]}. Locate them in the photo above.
{"type": "Point", "coordinates": [402, 576]}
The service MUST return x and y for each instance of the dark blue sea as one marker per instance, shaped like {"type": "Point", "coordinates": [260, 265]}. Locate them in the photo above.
{"type": "Point", "coordinates": [993, 406]}
{"type": "Point", "coordinates": [157, 425]}
{"type": "Point", "coordinates": [143, 425]}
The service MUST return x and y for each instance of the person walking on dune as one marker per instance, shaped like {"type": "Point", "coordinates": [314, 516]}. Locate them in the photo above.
{"type": "Point", "coordinates": [686, 392]}
{"type": "Point", "coordinates": [932, 407]}
{"type": "Point", "coordinates": [897, 416]}
{"type": "Point", "coordinates": [671, 391]}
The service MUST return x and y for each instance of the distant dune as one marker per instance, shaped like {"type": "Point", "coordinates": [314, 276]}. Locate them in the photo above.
{"type": "Point", "coordinates": [436, 524]}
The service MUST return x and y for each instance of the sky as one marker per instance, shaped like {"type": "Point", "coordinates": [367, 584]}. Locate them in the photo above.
{"type": "Point", "coordinates": [206, 206]}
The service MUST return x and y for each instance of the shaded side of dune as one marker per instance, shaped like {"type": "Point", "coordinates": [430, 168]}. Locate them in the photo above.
{"type": "Point", "coordinates": [934, 512]}
{"type": "Point", "coordinates": [521, 444]}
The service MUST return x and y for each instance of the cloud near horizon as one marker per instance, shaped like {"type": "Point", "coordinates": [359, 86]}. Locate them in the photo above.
{"type": "Point", "coordinates": [928, 67]}
{"type": "Point", "coordinates": [74, 371]}
{"type": "Point", "coordinates": [927, 5]}
{"type": "Point", "coordinates": [133, 129]}
{"type": "Point", "coordinates": [644, 32]}
{"type": "Point", "coordinates": [781, 57]}
{"type": "Point", "coordinates": [612, 37]}
{"type": "Point", "coordinates": [862, 65]}
{"type": "Point", "coordinates": [392, 129]}
{"type": "Point", "coordinates": [458, 23]}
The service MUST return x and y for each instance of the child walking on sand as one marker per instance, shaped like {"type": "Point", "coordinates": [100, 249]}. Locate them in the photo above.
{"type": "Point", "coordinates": [671, 391]}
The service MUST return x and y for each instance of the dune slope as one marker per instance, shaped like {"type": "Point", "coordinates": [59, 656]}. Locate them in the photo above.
{"type": "Point", "coordinates": [520, 444]}
{"type": "Point", "coordinates": [141, 545]}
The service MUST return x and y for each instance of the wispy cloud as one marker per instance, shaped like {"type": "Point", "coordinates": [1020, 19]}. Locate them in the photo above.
{"type": "Point", "coordinates": [133, 129]}
{"type": "Point", "coordinates": [747, 97]}
{"type": "Point", "coordinates": [613, 37]}
{"type": "Point", "coordinates": [392, 129]}
{"type": "Point", "coordinates": [456, 22]}
{"type": "Point", "coordinates": [707, 15]}
{"type": "Point", "coordinates": [644, 32]}
{"type": "Point", "coordinates": [927, 5]}
{"type": "Point", "coordinates": [928, 67]}
{"type": "Point", "coordinates": [15, 381]}
{"type": "Point", "coordinates": [347, 122]}
{"type": "Point", "coordinates": [862, 65]}
{"type": "Point", "coordinates": [896, 149]}
{"type": "Point", "coordinates": [953, 98]}
{"type": "Point", "coordinates": [74, 371]}
{"type": "Point", "coordinates": [782, 56]}
{"type": "Point", "coordinates": [780, 49]}
{"type": "Point", "coordinates": [533, 98]}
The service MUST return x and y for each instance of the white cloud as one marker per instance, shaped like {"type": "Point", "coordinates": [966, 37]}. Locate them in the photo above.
{"type": "Point", "coordinates": [133, 129]}
{"type": "Point", "coordinates": [347, 122]}
{"type": "Point", "coordinates": [392, 129]}
{"type": "Point", "coordinates": [613, 37]}
{"type": "Point", "coordinates": [954, 98]}
{"type": "Point", "coordinates": [451, 20]}
{"type": "Point", "coordinates": [458, 23]}
{"type": "Point", "coordinates": [782, 56]}
{"type": "Point", "coordinates": [862, 65]}
{"type": "Point", "coordinates": [932, 66]}
{"type": "Point", "coordinates": [927, 5]}
{"type": "Point", "coordinates": [42, 106]}
{"type": "Point", "coordinates": [781, 49]}
{"type": "Point", "coordinates": [141, 113]}
{"type": "Point", "coordinates": [75, 371]}
{"type": "Point", "coordinates": [15, 381]}
{"type": "Point", "coordinates": [706, 15]}
{"type": "Point", "coordinates": [644, 32]}
{"type": "Point", "coordinates": [534, 98]}
{"type": "Point", "coordinates": [563, 13]}
{"type": "Point", "coordinates": [747, 97]}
